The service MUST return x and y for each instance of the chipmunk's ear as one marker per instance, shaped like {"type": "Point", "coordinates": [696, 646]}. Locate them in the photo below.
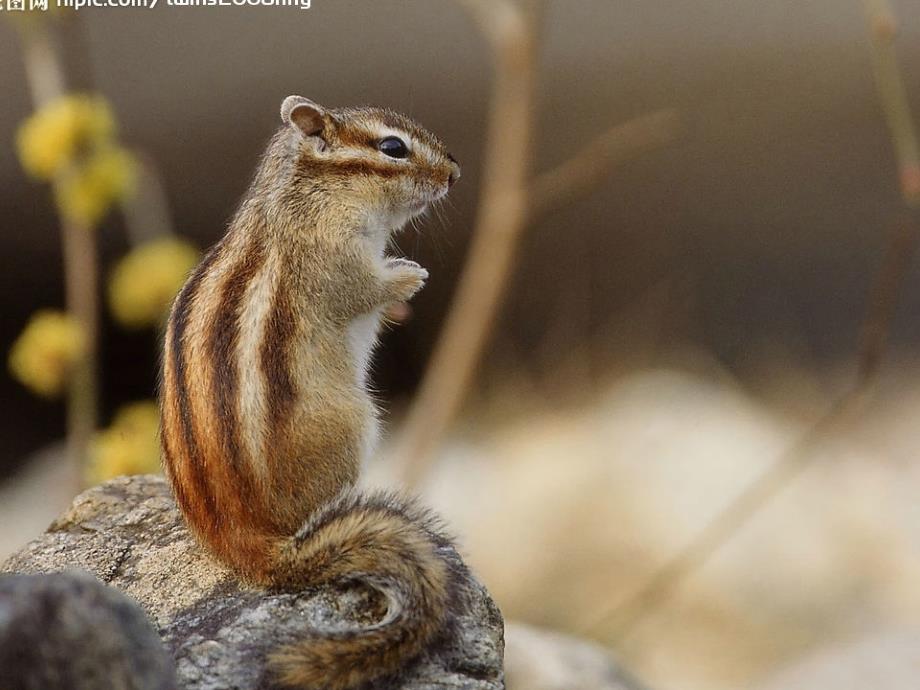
{"type": "Point", "coordinates": [302, 113]}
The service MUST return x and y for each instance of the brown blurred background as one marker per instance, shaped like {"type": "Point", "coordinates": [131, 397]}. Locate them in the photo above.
{"type": "Point", "coordinates": [765, 223]}
{"type": "Point", "coordinates": [747, 249]}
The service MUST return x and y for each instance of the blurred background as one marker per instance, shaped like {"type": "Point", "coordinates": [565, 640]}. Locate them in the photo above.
{"type": "Point", "coordinates": [666, 338]}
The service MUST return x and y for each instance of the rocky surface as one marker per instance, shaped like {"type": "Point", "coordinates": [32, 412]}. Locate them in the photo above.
{"type": "Point", "coordinates": [129, 534]}
{"type": "Point", "coordinates": [68, 630]}
{"type": "Point", "coordinates": [537, 659]}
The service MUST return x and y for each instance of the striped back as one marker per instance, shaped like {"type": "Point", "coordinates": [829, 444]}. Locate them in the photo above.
{"type": "Point", "coordinates": [226, 391]}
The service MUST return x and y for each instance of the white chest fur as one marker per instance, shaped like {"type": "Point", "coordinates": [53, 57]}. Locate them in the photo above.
{"type": "Point", "coordinates": [362, 337]}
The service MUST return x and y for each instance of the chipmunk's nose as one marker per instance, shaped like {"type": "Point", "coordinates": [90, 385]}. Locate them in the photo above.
{"type": "Point", "coordinates": [454, 174]}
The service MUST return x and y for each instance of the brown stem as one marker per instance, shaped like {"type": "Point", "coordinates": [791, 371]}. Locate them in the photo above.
{"type": "Point", "coordinates": [46, 82]}
{"type": "Point", "coordinates": [623, 619]}
{"type": "Point", "coordinates": [500, 222]}
{"type": "Point", "coordinates": [80, 278]}
{"type": "Point", "coordinates": [511, 199]}
{"type": "Point", "coordinates": [893, 97]}
{"type": "Point", "coordinates": [43, 73]}
{"type": "Point", "coordinates": [583, 171]}
{"type": "Point", "coordinates": [880, 311]}
{"type": "Point", "coordinates": [883, 296]}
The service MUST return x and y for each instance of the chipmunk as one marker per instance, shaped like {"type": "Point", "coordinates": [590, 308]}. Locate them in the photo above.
{"type": "Point", "coordinates": [266, 413]}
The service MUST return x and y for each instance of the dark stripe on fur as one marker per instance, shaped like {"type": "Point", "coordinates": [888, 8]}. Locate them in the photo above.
{"type": "Point", "coordinates": [169, 466]}
{"type": "Point", "coordinates": [223, 339]}
{"type": "Point", "coordinates": [314, 168]}
{"type": "Point", "coordinates": [193, 466]}
{"type": "Point", "coordinates": [275, 360]}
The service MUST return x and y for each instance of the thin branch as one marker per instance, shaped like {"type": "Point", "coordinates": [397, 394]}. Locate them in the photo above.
{"type": "Point", "coordinates": [882, 305]}
{"type": "Point", "coordinates": [43, 72]}
{"type": "Point", "coordinates": [81, 275]}
{"type": "Point", "coordinates": [46, 82]}
{"type": "Point", "coordinates": [893, 97]}
{"type": "Point", "coordinates": [510, 199]}
{"type": "Point", "coordinates": [883, 297]}
{"type": "Point", "coordinates": [623, 619]}
{"type": "Point", "coordinates": [588, 167]}
{"type": "Point", "coordinates": [620, 621]}
{"type": "Point", "coordinates": [500, 223]}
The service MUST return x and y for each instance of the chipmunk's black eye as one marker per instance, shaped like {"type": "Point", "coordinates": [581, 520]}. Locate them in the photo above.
{"type": "Point", "coordinates": [394, 147]}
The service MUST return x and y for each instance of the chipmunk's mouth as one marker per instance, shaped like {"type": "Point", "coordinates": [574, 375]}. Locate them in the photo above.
{"type": "Point", "coordinates": [419, 206]}
{"type": "Point", "coordinates": [409, 212]}
{"type": "Point", "coordinates": [435, 195]}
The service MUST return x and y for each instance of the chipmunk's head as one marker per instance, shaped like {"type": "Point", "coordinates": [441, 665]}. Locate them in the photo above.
{"type": "Point", "coordinates": [378, 162]}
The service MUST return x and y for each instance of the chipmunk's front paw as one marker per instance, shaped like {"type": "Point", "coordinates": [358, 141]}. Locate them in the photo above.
{"type": "Point", "coordinates": [404, 279]}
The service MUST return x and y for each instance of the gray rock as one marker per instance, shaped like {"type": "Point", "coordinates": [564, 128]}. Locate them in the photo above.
{"type": "Point", "coordinates": [68, 630]}
{"type": "Point", "coordinates": [537, 659]}
{"type": "Point", "coordinates": [129, 534]}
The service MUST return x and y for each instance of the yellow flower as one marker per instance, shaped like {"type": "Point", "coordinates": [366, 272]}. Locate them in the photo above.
{"type": "Point", "coordinates": [87, 193]}
{"type": "Point", "coordinates": [129, 446]}
{"type": "Point", "coordinates": [53, 135]}
{"type": "Point", "coordinates": [45, 352]}
{"type": "Point", "coordinates": [145, 281]}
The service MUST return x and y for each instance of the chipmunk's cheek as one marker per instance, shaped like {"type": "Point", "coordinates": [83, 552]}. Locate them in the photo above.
{"type": "Point", "coordinates": [436, 190]}
{"type": "Point", "coordinates": [410, 195]}
{"type": "Point", "coordinates": [443, 190]}
{"type": "Point", "coordinates": [401, 202]}
{"type": "Point", "coordinates": [389, 199]}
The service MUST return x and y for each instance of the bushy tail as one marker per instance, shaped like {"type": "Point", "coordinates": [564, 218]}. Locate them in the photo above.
{"type": "Point", "coordinates": [391, 545]}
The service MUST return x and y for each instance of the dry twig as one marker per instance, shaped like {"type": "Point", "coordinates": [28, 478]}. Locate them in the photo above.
{"type": "Point", "coordinates": [499, 224]}
{"type": "Point", "coordinates": [893, 97]}
{"type": "Point", "coordinates": [882, 305]}
{"type": "Point", "coordinates": [510, 199]}
{"type": "Point", "coordinates": [586, 169]}
{"type": "Point", "coordinates": [45, 76]}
